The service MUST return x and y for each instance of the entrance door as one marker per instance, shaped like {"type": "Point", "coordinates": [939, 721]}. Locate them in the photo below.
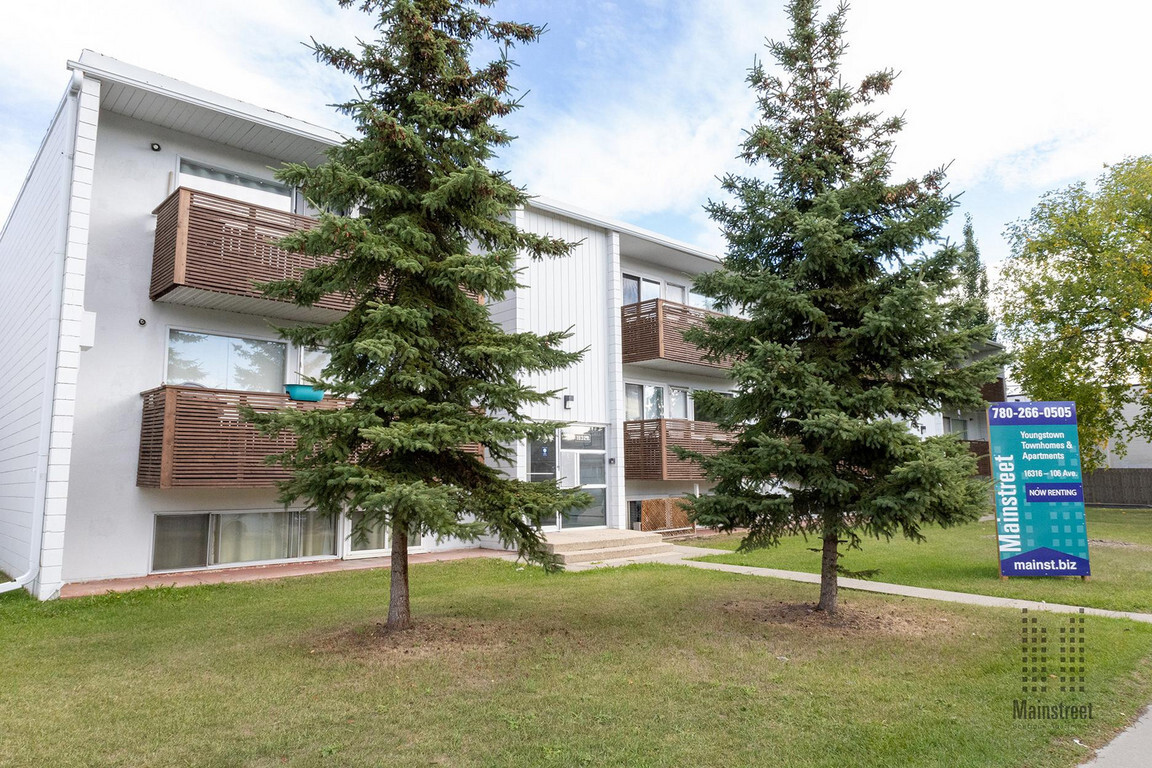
{"type": "Point", "coordinates": [575, 457]}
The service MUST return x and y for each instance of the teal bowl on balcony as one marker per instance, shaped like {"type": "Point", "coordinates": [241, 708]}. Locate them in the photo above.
{"type": "Point", "coordinates": [304, 393]}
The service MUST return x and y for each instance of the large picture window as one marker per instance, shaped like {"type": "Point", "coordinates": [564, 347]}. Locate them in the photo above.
{"type": "Point", "coordinates": [225, 362]}
{"type": "Point", "coordinates": [224, 538]}
{"type": "Point", "coordinates": [236, 186]}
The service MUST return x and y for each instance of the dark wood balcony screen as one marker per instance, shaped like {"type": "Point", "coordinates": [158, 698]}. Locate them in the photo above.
{"type": "Point", "coordinates": [994, 391]}
{"type": "Point", "coordinates": [982, 449]}
{"type": "Point", "coordinates": [647, 451]}
{"type": "Point", "coordinates": [654, 330]}
{"type": "Point", "coordinates": [191, 436]}
{"type": "Point", "coordinates": [195, 437]}
{"type": "Point", "coordinates": [213, 243]}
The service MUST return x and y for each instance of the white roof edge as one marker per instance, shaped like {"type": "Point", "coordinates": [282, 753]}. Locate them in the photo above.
{"type": "Point", "coordinates": [587, 217]}
{"type": "Point", "coordinates": [108, 69]}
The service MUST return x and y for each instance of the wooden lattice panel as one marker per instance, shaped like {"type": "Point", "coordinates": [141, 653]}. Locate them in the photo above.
{"type": "Point", "coordinates": [654, 330]}
{"type": "Point", "coordinates": [195, 437]}
{"type": "Point", "coordinates": [648, 445]}
{"type": "Point", "coordinates": [213, 243]}
{"type": "Point", "coordinates": [667, 514]}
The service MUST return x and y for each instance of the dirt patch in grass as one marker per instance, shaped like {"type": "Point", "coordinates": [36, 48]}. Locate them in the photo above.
{"type": "Point", "coordinates": [426, 638]}
{"type": "Point", "coordinates": [878, 621]}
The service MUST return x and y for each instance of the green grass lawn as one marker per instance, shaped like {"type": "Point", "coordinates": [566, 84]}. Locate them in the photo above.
{"type": "Point", "coordinates": [965, 559]}
{"type": "Point", "coordinates": [641, 666]}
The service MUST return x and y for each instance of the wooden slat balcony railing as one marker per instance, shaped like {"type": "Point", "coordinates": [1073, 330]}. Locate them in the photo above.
{"type": "Point", "coordinates": [211, 251]}
{"type": "Point", "coordinates": [647, 448]}
{"type": "Point", "coordinates": [982, 449]}
{"type": "Point", "coordinates": [654, 330]}
{"type": "Point", "coordinates": [195, 437]}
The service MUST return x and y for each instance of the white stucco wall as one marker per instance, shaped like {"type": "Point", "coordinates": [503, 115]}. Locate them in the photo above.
{"type": "Point", "coordinates": [110, 520]}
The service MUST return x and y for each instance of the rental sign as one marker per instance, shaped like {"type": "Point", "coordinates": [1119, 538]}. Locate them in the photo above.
{"type": "Point", "coordinates": [1039, 490]}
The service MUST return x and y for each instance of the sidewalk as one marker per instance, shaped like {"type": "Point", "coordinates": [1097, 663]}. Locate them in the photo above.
{"type": "Point", "coordinates": [263, 572]}
{"type": "Point", "coordinates": [682, 555]}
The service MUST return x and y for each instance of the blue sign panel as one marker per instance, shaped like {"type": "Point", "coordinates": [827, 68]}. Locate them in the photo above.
{"type": "Point", "coordinates": [1039, 489]}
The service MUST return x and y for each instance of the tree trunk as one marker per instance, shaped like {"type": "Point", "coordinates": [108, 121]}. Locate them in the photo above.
{"type": "Point", "coordinates": [399, 613]}
{"type": "Point", "coordinates": [828, 562]}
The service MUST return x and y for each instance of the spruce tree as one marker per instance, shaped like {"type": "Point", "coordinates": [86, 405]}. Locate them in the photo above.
{"type": "Point", "coordinates": [418, 227]}
{"type": "Point", "coordinates": [845, 329]}
{"type": "Point", "coordinates": [973, 278]}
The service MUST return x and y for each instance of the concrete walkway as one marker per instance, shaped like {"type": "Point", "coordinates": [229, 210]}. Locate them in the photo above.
{"type": "Point", "coordinates": [1131, 748]}
{"type": "Point", "coordinates": [682, 555]}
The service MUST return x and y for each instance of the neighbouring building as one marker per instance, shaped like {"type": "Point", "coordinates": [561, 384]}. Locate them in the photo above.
{"type": "Point", "coordinates": [133, 334]}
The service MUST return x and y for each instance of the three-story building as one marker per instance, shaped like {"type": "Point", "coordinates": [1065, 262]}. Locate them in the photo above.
{"type": "Point", "coordinates": [134, 333]}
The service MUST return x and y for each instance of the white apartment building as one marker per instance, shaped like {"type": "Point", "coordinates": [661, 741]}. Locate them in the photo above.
{"type": "Point", "coordinates": [133, 333]}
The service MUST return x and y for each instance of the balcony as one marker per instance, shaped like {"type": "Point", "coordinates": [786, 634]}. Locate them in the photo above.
{"type": "Point", "coordinates": [195, 437]}
{"type": "Point", "coordinates": [192, 437]}
{"type": "Point", "coordinates": [648, 454]}
{"type": "Point", "coordinates": [982, 450]}
{"type": "Point", "coordinates": [211, 251]}
{"type": "Point", "coordinates": [652, 334]}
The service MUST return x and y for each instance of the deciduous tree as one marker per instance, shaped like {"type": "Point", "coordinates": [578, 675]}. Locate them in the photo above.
{"type": "Point", "coordinates": [848, 329]}
{"type": "Point", "coordinates": [1077, 304]}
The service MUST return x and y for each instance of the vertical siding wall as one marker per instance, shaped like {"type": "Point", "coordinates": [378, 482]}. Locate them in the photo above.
{"type": "Point", "coordinates": [570, 292]}
{"type": "Point", "coordinates": [30, 250]}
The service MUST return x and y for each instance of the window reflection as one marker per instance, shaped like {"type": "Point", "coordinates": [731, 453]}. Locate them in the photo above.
{"type": "Point", "coordinates": [225, 362]}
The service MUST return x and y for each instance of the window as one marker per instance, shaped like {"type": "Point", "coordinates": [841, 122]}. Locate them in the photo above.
{"type": "Point", "coordinates": [699, 300]}
{"type": "Point", "coordinates": [375, 536]}
{"type": "Point", "coordinates": [643, 401]}
{"type": "Point", "coordinates": [224, 538]}
{"type": "Point", "coordinates": [542, 460]}
{"type": "Point", "coordinates": [678, 403]}
{"type": "Point", "coordinates": [225, 362]}
{"type": "Point", "coordinates": [956, 426]}
{"type": "Point", "coordinates": [676, 293]}
{"type": "Point", "coordinates": [312, 363]}
{"type": "Point", "coordinates": [703, 412]}
{"type": "Point", "coordinates": [640, 289]}
{"type": "Point", "coordinates": [236, 186]}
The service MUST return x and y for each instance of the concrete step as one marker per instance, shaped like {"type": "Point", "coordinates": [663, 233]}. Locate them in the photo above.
{"type": "Point", "coordinates": [575, 540]}
{"type": "Point", "coordinates": [614, 553]}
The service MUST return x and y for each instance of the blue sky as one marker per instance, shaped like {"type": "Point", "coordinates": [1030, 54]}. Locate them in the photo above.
{"type": "Point", "coordinates": [634, 107]}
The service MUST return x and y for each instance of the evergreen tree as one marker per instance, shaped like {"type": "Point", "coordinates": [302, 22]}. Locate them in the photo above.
{"type": "Point", "coordinates": [429, 371]}
{"type": "Point", "coordinates": [847, 332]}
{"type": "Point", "coordinates": [973, 278]}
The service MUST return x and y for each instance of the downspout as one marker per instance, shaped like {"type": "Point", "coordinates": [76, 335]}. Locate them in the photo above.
{"type": "Point", "coordinates": [40, 502]}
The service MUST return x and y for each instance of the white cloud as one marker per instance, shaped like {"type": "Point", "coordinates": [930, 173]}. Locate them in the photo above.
{"type": "Point", "coordinates": [1021, 96]}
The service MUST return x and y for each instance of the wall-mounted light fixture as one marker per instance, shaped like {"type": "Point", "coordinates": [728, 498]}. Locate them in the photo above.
{"type": "Point", "coordinates": [568, 400]}
{"type": "Point", "coordinates": [155, 147]}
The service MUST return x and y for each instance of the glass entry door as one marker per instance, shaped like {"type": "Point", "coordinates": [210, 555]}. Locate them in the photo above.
{"type": "Point", "coordinates": [575, 457]}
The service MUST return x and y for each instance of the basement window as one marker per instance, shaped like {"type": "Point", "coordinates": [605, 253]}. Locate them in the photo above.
{"type": "Point", "coordinates": [185, 542]}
